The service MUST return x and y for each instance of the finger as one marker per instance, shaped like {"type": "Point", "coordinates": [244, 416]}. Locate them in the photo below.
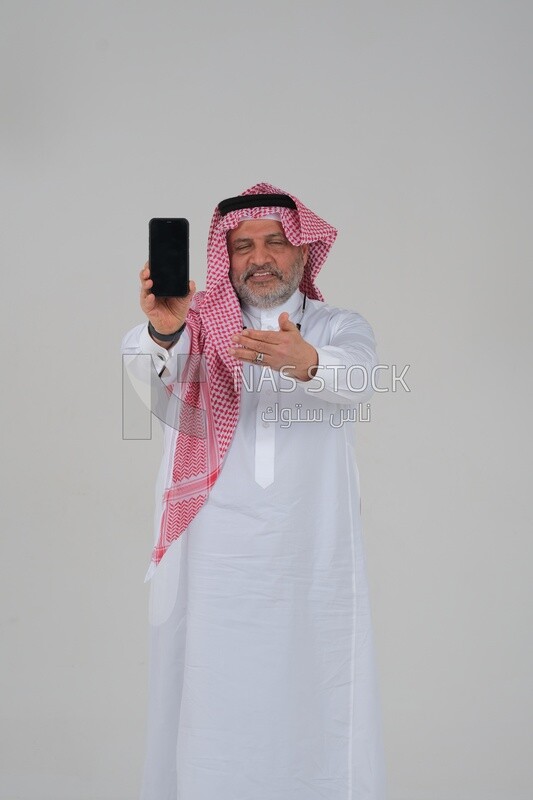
{"type": "Point", "coordinates": [269, 337]}
{"type": "Point", "coordinates": [149, 301]}
{"type": "Point", "coordinates": [243, 354]}
{"type": "Point", "coordinates": [145, 281]}
{"type": "Point", "coordinates": [285, 323]}
{"type": "Point", "coordinates": [146, 286]}
{"type": "Point", "coordinates": [254, 345]}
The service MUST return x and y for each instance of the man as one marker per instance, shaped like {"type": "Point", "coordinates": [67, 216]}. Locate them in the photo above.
{"type": "Point", "coordinates": [262, 676]}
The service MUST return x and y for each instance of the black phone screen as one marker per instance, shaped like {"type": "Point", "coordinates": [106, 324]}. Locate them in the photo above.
{"type": "Point", "coordinates": [169, 256]}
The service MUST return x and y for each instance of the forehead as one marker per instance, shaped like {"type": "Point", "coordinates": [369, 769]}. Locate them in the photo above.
{"type": "Point", "coordinates": [255, 228]}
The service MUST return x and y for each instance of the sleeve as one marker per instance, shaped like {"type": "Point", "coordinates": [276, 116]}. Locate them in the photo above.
{"type": "Point", "coordinates": [141, 355]}
{"type": "Point", "coordinates": [345, 372]}
{"type": "Point", "coordinates": [151, 369]}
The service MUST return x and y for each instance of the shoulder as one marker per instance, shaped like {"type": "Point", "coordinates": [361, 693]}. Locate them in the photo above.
{"type": "Point", "coordinates": [335, 317]}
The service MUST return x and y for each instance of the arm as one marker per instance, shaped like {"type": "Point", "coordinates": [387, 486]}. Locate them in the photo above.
{"type": "Point", "coordinates": [344, 371]}
{"type": "Point", "coordinates": [167, 315]}
{"type": "Point", "coordinates": [337, 372]}
{"type": "Point", "coordinates": [165, 359]}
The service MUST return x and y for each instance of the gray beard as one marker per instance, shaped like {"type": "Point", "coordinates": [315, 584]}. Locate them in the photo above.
{"type": "Point", "coordinates": [284, 289]}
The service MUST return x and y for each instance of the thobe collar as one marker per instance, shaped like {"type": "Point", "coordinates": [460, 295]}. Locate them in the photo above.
{"type": "Point", "coordinates": [261, 318]}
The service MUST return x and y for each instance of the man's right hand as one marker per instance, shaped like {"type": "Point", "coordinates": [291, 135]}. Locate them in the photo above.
{"type": "Point", "coordinates": [166, 314]}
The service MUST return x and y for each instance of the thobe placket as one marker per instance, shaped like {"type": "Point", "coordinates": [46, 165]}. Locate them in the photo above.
{"type": "Point", "coordinates": [265, 439]}
{"type": "Point", "coordinates": [265, 432]}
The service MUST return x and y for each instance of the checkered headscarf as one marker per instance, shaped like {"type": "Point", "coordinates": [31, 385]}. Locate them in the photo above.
{"type": "Point", "coordinates": [212, 378]}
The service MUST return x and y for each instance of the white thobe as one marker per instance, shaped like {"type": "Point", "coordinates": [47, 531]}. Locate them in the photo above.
{"type": "Point", "coordinates": [262, 674]}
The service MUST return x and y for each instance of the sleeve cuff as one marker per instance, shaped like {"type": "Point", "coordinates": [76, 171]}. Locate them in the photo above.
{"type": "Point", "coordinates": [338, 380]}
{"type": "Point", "coordinates": [147, 345]}
{"type": "Point", "coordinates": [329, 365]}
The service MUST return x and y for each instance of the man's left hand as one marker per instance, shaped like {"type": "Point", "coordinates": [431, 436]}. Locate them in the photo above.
{"type": "Point", "coordinates": [284, 348]}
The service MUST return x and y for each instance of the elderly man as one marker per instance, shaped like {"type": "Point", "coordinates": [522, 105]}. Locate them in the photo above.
{"type": "Point", "coordinates": [262, 675]}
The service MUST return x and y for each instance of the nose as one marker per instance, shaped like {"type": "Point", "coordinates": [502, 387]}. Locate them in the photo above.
{"type": "Point", "coordinates": [259, 255]}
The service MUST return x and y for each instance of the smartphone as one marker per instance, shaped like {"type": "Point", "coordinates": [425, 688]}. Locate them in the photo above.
{"type": "Point", "coordinates": [168, 256]}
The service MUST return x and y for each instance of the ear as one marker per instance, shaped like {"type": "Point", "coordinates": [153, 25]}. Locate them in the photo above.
{"type": "Point", "coordinates": [305, 252]}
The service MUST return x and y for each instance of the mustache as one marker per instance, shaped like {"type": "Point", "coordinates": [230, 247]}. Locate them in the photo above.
{"type": "Point", "coordinates": [253, 268]}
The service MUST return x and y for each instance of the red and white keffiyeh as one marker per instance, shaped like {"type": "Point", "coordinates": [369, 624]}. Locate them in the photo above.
{"type": "Point", "coordinates": [212, 381]}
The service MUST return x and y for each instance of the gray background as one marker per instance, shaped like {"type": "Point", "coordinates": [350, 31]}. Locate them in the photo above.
{"type": "Point", "coordinates": [408, 125]}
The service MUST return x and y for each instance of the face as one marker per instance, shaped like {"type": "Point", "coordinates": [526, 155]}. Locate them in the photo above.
{"type": "Point", "coordinates": [265, 268]}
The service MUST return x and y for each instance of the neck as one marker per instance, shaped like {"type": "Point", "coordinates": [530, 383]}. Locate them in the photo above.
{"type": "Point", "coordinates": [292, 304]}
{"type": "Point", "coordinates": [268, 318]}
